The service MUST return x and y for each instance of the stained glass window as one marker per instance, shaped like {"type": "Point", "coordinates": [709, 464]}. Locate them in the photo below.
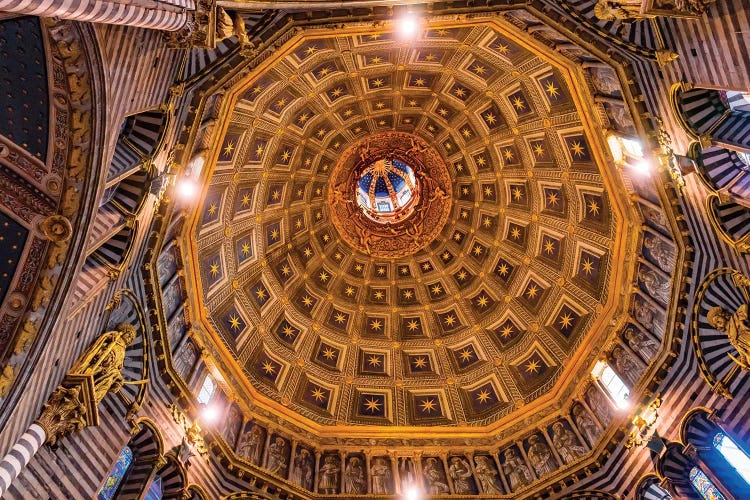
{"type": "Point", "coordinates": [121, 466]}
{"type": "Point", "coordinates": [612, 382]}
{"type": "Point", "coordinates": [733, 454]}
{"type": "Point", "coordinates": [207, 390]}
{"type": "Point", "coordinates": [154, 490]}
{"type": "Point", "coordinates": [704, 486]}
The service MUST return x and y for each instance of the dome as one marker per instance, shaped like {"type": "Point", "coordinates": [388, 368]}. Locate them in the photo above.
{"type": "Point", "coordinates": [386, 190]}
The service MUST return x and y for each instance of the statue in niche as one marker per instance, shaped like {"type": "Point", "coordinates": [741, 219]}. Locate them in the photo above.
{"type": "Point", "coordinates": [406, 473]}
{"type": "Point", "coordinates": [231, 424]}
{"type": "Point", "coordinates": [736, 327]}
{"type": "Point", "coordinates": [250, 445]}
{"type": "Point", "coordinates": [354, 477]}
{"type": "Point", "coordinates": [185, 360]}
{"type": "Point", "coordinates": [657, 287]}
{"type": "Point", "coordinates": [303, 469]}
{"type": "Point", "coordinates": [329, 475]}
{"type": "Point", "coordinates": [626, 366]}
{"type": "Point", "coordinates": [277, 457]}
{"type": "Point", "coordinates": [566, 443]}
{"type": "Point", "coordinates": [661, 252]}
{"type": "Point", "coordinates": [380, 471]}
{"type": "Point", "coordinates": [644, 346]}
{"type": "Point", "coordinates": [646, 316]}
{"type": "Point", "coordinates": [599, 405]}
{"type": "Point", "coordinates": [486, 474]}
{"type": "Point", "coordinates": [460, 472]}
{"type": "Point", "coordinates": [618, 10]}
{"type": "Point", "coordinates": [517, 471]}
{"type": "Point", "coordinates": [586, 424]}
{"type": "Point", "coordinates": [437, 484]}
{"type": "Point", "coordinates": [541, 457]}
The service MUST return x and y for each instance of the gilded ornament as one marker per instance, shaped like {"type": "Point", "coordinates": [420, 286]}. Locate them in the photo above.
{"type": "Point", "coordinates": [56, 228]}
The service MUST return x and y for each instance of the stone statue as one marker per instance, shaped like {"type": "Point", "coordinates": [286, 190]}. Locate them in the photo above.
{"type": "Point", "coordinates": [599, 405]}
{"type": "Point", "coordinates": [586, 424]}
{"type": "Point", "coordinates": [434, 477]}
{"type": "Point", "coordinates": [646, 316]}
{"type": "Point", "coordinates": [231, 424]}
{"type": "Point", "coordinates": [626, 366]}
{"type": "Point", "coordinates": [657, 287]}
{"type": "Point", "coordinates": [517, 471]}
{"type": "Point", "coordinates": [460, 472]}
{"type": "Point", "coordinates": [277, 457]}
{"type": "Point", "coordinates": [303, 470]}
{"type": "Point", "coordinates": [644, 346]}
{"type": "Point", "coordinates": [486, 474]}
{"type": "Point", "coordinates": [185, 359]}
{"type": "Point", "coordinates": [566, 443]}
{"type": "Point", "coordinates": [406, 473]}
{"type": "Point", "coordinates": [660, 251]}
{"type": "Point", "coordinates": [354, 477]}
{"type": "Point", "coordinates": [736, 327]}
{"type": "Point", "coordinates": [227, 26]}
{"type": "Point", "coordinates": [329, 475]}
{"type": "Point", "coordinates": [380, 472]}
{"type": "Point", "coordinates": [104, 359]}
{"type": "Point", "coordinates": [250, 445]}
{"type": "Point", "coordinates": [541, 457]}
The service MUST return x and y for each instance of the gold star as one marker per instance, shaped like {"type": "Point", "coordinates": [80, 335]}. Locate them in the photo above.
{"type": "Point", "coordinates": [259, 150]}
{"type": "Point", "coordinates": [465, 190]}
{"type": "Point", "coordinates": [566, 320]}
{"type": "Point", "coordinates": [374, 360]}
{"type": "Point", "coordinates": [381, 271]}
{"type": "Point", "coordinates": [426, 266]}
{"type": "Point", "coordinates": [303, 117]}
{"type": "Point", "coordinates": [437, 289]}
{"type": "Point", "coordinates": [214, 269]}
{"type": "Point", "coordinates": [506, 331]}
{"type": "Point", "coordinates": [593, 207]}
{"type": "Point", "coordinates": [549, 246]}
{"type": "Point", "coordinates": [413, 325]}
{"type": "Point", "coordinates": [234, 322]}
{"type": "Point", "coordinates": [308, 252]}
{"type": "Point", "coordinates": [275, 195]}
{"type": "Point", "coordinates": [274, 234]}
{"type": "Point", "coordinates": [532, 291]}
{"type": "Point", "coordinates": [490, 118]}
{"type": "Point", "coordinates": [245, 199]}
{"type": "Point", "coordinates": [477, 250]}
{"type": "Point", "coordinates": [430, 57]}
{"type": "Point", "coordinates": [321, 132]}
{"type": "Point", "coordinates": [464, 214]}
{"type": "Point", "coordinates": [379, 295]}
{"type": "Point", "coordinates": [483, 301]}
{"type": "Point", "coordinates": [261, 294]}
{"type": "Point", "coordinates": [329, 353]}
{"type": "Point", "coordinates": [376, 60]}
{"type": "Point", "coordinates": [307, 301]}
{"type": "Point", "coordinates": [481, 161]}
{"type": "Point", "coordinates": [212, 209]}
{"type": "Point", "coordinates": [412, 102]}
{"type": "Point", "coordinates": [318, 394]}
{"type": "Point", "coordinates": [281, 103]}
{"type": "Point", "coordinates": [348, 112]}
{"type": "Point", "coordinates": [551, 89]}
{"type": "Point", "coordinates": [326, 237]}
{"type": "Point", "coordinates": [229, 148]}
{"type": "Point", "coordinates": [539, 150]}
{"type": "Point", "coordinates": [459, 92]}
{"type": "Point", "coordinates": [486, 222]}
{"type": "Point", "coordinates": [404, 270]}
{"type": "Point", "coordinates": [420, 362]}
{"type": "Point", "coordinates": [358, 267]}
{"type": "Point", "coordinates": [450, 320]}
{"type": "Point", "coordinates": [372, 405]}
{"type": "Point", "coordinates": [349, 291]}
{"type": "Point", "coordinates": [508, 153]}
{"type": "Point", "coordinates": [312, 49]}
{"type": "Point", "coordinates": [428, 405]}
{"type": "Point", "coordinates": [376, 324]}
{"type": "Point", "coordinates": [323, 276]}
{"type": "Point", "coordinates": [576, 149]}
{"type": "Point", "coordinates": [479, 70]}
{"type": "Point", "coordinates": [269, 368]}
{"type": "Point", "coordinates": [298, 223]}
{"type": "Point", "coordinates": [446, 256]}
{"type": "Point", "coordinates": [442, 112]}
{"type": "Point", "coordinates": [246, 248]}
{"type": "Point", "coordinates": [457, 236]}
{"type": "Point", "coordinates": [518, 103]}
{"type": "Point", "coordinates": [323, 72]}
{"type": "Point", "coordinates": [515, 233]}
{"type": "Point", "coordinates": [419, 82]}
{"type": "Point", "coordinates": [483, 396]}
{"type": "Point", "coordinates": [408, 294]}
{"type": "Point", "coordinates": [286, 155]}
{"type": "Point", "coordinates": [340, 318]}
{"type": "Point", "coordinates": [379, 105]}
{"type": "Point", "coordinates": [533, 366]}
{"type": "Point", "coordinates": [465, 355]}
{"type": "Point", "coordinates": [442, 32]}
{"type": "Point", "coordinates": [502, 269]}
{"type": "Point", "coordinates": [517, 193]}
{"type": "Point", "coordinates": [587, 266]}
{"type": "Point", "coordinates": [288, 331]}
{"type": "Point", "coordinates": [552, 199]}
{"type": "Point", "coordinates": [378, 82]}
{"type": "Point", "coordinates": [461, 275]}
{"type": "Point", "coordinates": [286, 270]}
{"type": "Point", "coordinates": [466, 133]}
{"type": "Point", "coordinates": [503, 49]}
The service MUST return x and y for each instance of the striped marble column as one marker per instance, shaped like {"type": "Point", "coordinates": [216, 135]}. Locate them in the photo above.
{"type": "Point", "coordinates": [166, 15]}
{"type": "Point", "coordinates": [20, 455]}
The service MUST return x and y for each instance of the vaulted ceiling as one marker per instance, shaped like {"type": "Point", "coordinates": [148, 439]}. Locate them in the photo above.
{"type": "Point", "coordinates": [478, 322]}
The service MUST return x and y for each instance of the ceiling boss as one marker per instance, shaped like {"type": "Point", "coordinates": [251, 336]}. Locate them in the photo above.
{"type": "Point", "coordinates": [389, 195]}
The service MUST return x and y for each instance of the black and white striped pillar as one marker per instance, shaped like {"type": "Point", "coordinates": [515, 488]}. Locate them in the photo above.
{"type": "Point", "coordinates": [20, 455]}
